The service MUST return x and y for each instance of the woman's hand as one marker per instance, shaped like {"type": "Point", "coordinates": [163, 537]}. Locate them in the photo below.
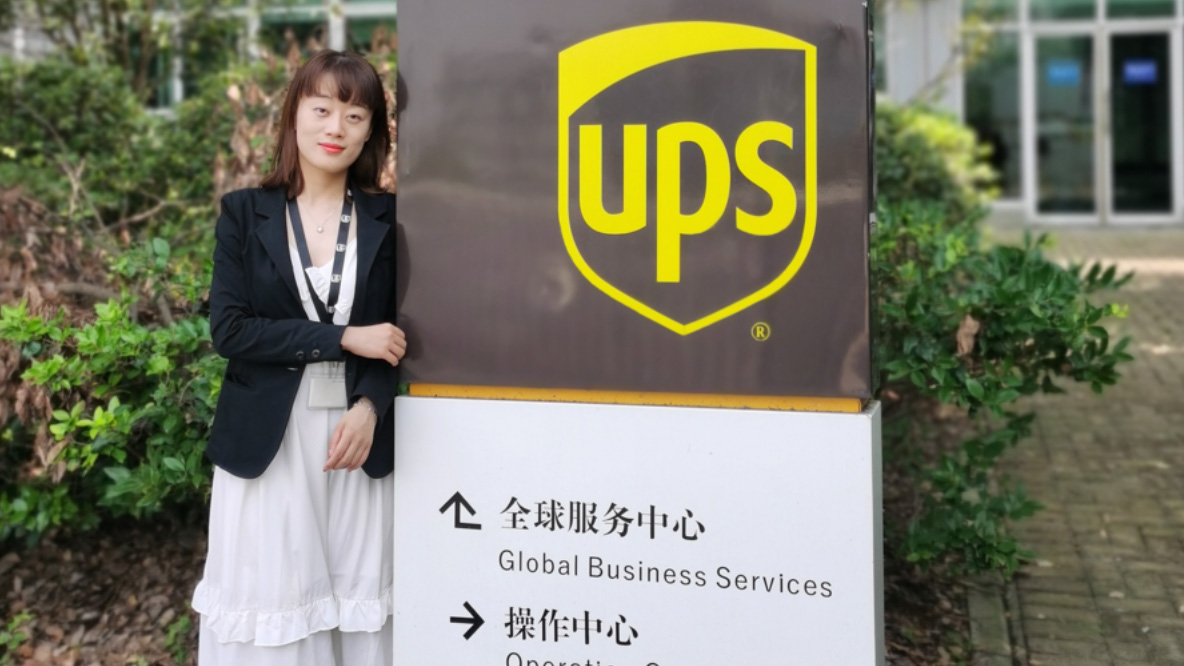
{"type": "Point", "coordinates": [385, 342]}
{"type": "Point", "coordinates": [350, 445]}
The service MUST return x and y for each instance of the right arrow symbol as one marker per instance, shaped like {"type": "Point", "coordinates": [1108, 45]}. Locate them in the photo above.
{"type": "Point", "coordinates": [474, 619]}
{"type": "Point", "coordinates": [456, 502]}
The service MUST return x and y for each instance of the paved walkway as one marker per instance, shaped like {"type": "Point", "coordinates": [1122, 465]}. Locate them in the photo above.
{"type": "Point", "coordinates": [1108, 584]}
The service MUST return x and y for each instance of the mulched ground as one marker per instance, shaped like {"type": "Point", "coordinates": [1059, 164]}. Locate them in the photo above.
{"type": "Point", "coordinates": [106, 599]}
{"type": "Point", "coordinates": [932, 632]}
{"type": "Point", "coordinates": [926, 619]}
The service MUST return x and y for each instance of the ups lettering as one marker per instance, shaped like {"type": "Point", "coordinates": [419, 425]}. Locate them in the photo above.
{"type": "Point", "coordinates": [673, 223]}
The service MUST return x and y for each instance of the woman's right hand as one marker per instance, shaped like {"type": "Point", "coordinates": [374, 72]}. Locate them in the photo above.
{"type": "Point", "coordinates": [385, 342]}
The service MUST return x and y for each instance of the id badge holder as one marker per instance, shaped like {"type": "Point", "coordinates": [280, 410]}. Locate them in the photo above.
{"type": "Point", "coordinates": [327, 393]}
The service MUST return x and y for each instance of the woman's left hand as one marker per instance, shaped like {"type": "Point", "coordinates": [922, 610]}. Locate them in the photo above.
{"type": "Point", "coordinates": [350, 445]}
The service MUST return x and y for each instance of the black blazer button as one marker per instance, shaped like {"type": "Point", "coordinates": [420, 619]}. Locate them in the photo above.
{"type": "Point", "coordinates": [299, 356]}
{"type": "Point", "coordinates": [316, 353]}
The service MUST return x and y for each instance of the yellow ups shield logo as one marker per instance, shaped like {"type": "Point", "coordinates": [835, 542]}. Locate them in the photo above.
{"type": "Point", "coordinates": [693, 145]}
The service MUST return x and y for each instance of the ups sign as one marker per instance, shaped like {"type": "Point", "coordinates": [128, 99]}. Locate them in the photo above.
{"type": "Point", "coordinates": [636, 196]}
{"type": "Point", "coordinates": [587, 70]}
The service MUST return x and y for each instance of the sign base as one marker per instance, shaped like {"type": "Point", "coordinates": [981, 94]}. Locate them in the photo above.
{"type": "Point", "coordinates": [613, 535]}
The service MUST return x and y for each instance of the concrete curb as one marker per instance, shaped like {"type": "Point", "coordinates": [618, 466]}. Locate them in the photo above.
{"type": "Point", "coordinates": [1019, 641]}
{"type": "Point", "coordinates": [991, 625]}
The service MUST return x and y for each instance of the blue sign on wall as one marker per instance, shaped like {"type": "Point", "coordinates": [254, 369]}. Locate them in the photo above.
{"type": "Point", "coordinates": [1140, 72]}
{"type": "Point", "coordinates": [1063, 73]}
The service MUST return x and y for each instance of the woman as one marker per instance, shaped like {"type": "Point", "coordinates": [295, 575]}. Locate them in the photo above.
{"type": "Point", "coordinates": [303, 306]}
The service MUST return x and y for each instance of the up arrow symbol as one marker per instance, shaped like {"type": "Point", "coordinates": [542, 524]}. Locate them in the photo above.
{"type": "Point", "coordinates": [456, 503]}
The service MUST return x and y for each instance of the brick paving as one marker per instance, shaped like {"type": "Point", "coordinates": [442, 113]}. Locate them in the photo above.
{"type": "Point", "coordinates": [1107, 586]}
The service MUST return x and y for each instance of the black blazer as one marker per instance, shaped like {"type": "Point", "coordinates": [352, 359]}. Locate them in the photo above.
{"type": "Point", "coordinates": [258, 323]}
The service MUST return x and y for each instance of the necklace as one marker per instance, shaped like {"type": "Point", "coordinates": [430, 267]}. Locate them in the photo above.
{"type": "Point", "coordinates": [321, 226]}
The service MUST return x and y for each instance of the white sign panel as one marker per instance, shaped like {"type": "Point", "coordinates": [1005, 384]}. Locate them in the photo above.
{"type": "Point", "coordinates": [548, 534]}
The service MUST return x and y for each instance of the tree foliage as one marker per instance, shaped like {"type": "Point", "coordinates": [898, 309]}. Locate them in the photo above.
{"type": "Point", "coordinates": [136, 38]}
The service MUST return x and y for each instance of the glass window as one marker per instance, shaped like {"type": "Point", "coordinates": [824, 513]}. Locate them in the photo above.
{"type": "Point", "coordinates": [1137, 8]}
{"type": "Point", "coordinates": [996, 11]}
{"type": "Point", "coordinates": [993, 108]}
{"type": "Point", "coordinates": [1063, 9]}
{"type": "Point", "coordinates": [371, 35]}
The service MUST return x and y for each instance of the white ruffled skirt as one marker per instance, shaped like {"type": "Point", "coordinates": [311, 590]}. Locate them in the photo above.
{"type": "Point", "coordinates": [299, 568]}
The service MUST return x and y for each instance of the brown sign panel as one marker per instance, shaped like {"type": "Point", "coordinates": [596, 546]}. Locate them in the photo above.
{"type": "Point", "coordinates": [646, 196]}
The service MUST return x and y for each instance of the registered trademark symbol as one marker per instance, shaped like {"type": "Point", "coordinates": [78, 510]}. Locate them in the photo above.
{"type": "Point", "coordinates": [761, 331]}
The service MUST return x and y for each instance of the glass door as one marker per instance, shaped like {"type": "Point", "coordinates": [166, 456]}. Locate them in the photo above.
{"type": "Point", "coordinates": [1140, 125]}
{"type": "Point", "coordinates": [1104, 144]}
{"type": "Point", "coordinates": [1065, 127]}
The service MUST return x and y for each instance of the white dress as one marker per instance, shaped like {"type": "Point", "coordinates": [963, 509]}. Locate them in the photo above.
{"type": "Point", "coordinates": [299, 569]}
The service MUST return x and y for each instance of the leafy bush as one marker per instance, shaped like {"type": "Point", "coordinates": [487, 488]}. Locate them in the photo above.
{"type": "Point", "coordinates": [972, 328]}
{"type": "Point", "coordinates": [106, 167]}
{"type": "Point", "coordinates": [114, 171]}
{"type": "Point", "coordinates": [136, 402]}
{"type": "Point", "coordinates": [926, 156]}
{"type": "Point", "coordinates": [66, 126]}
{"type": "Point", "coordinates": [122, 390]}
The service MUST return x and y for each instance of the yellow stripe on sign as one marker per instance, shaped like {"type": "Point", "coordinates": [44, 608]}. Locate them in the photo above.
{"type": "Point", "coordinates": [776, 403]}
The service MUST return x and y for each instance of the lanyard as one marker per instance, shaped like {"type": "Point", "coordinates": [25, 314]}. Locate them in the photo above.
{"type": "Point", "coordinates": [324, 311]}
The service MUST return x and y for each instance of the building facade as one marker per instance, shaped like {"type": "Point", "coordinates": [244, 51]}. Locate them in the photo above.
{"type": "Point", "coordinates": [1081, 101]}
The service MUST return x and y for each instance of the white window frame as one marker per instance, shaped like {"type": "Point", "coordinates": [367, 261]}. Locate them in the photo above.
{"type": "Point", "coordinates": [1100, 29]}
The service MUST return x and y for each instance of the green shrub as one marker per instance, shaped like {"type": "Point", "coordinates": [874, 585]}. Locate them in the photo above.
{"type": "Point", "coordinates": [134, 401]}
{"type": "Point", "coordinates": [30, 508]}
{"type": "Point", "coordinates": [65, 119]}
{"type": "Point", "coordinates": [973, 328]}
{"type": "Point", "coordinates": [926, 156]}
{"type": "Point", "coordinates": [111, 169]}
{"type": "Point", "coordinates": [87, 110]}
{"type": "Point", "coordinates": [78, 141]}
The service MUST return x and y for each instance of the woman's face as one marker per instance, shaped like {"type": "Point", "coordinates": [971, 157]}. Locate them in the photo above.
{"type": "Point", "coordinates": [330, 134]}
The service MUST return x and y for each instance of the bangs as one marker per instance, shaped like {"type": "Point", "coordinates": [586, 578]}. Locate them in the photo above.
{"type": "Point", "coordinates": [343, 78]}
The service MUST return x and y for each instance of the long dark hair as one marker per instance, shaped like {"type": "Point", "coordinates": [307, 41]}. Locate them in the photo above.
{"type": "Point", "coordinates": [357, 83]}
